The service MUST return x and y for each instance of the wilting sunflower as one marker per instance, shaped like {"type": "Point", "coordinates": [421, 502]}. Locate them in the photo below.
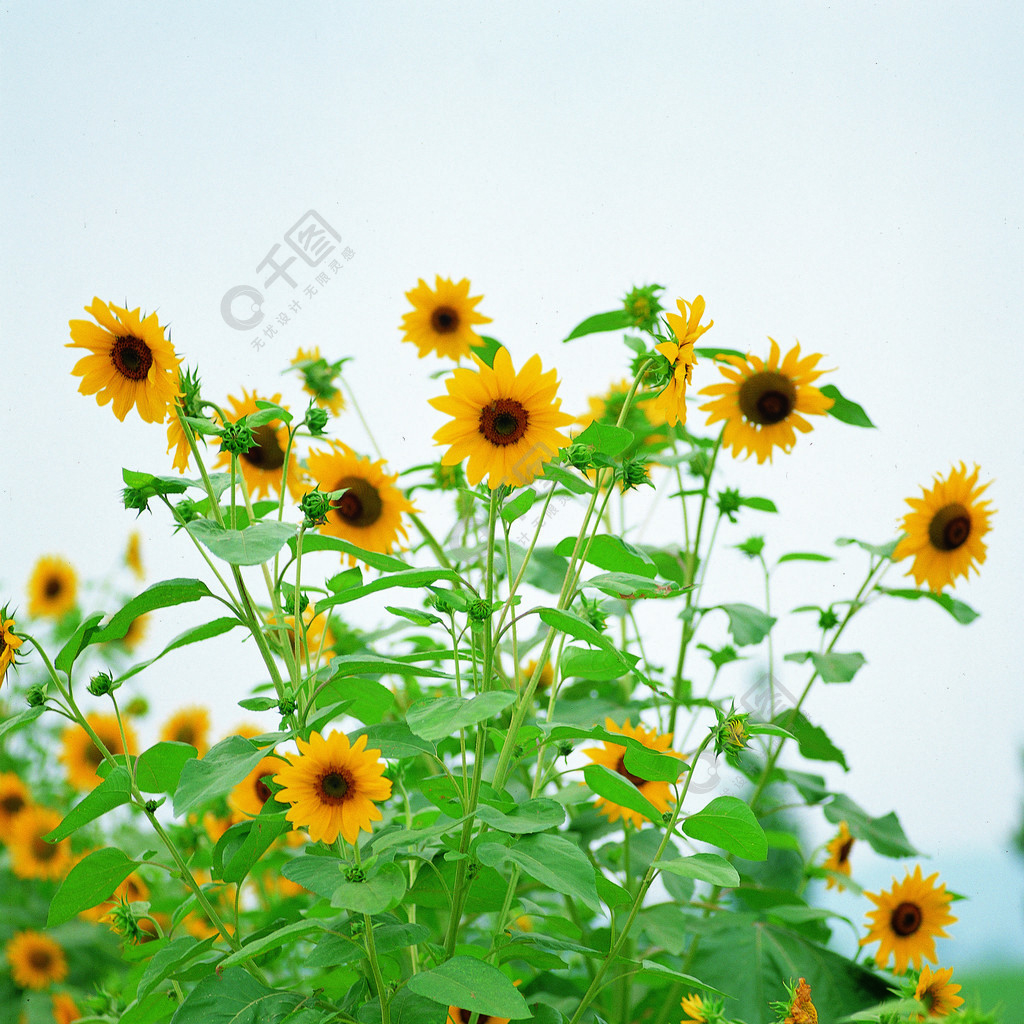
{"type": "Point", "coordinates": [505, 422]}
{"type": "Point", "coordinates": [249, 796]}
{"type": "Point", "coordinates": [132, 363]}
{"type": "Point", "coordinates": [908, 918]}
{"type": "Point", "coordinates": [332, 785]}
{"type": "Point", "coordinates": [801, 1009]}
{"type": "Point", "coordinates": [318, 377]}
{"type": "Point", "coordinates": [613, 755]}
{"type": "Point", "coordinates": [9, 643]}
{"type": "Point", "coordinates": [944, 531]}
{"type": "Point", "coordinates": [763, 403]}
{"type": "Point", "coordinates": [31, 855]}
{"type": "Point", "coordinates": [81, 756]}
{"type": "Point", "coordinates": [369, 513]}
{"type": "Point", "coordinates": [14, 799]}
{"type": "Point", "coordinates": [36, 960]}
{"type": "Point", "coordinates": [936, 992]}
{"type": "Point", "coordinates": [189, 725]}
{"type": "Point", "coordinates": [52, 588]}
{"type": "Point", "coordinates": [839, 856]}
{"type": "Point", "coordinates": [64, 1009]}
{"type": "Point", "coordinates": [456, 1015]}
{"type": "Point", "coordinates": [693, 1007]}
{"type": "Point", "coordinates": [669, 406]}
{"type": "Point", "coordinates": [441, 319]}
{"type": "Point", "coordinates": [262, 464]}
{"type": "Point", "coordinates": [133, 555]}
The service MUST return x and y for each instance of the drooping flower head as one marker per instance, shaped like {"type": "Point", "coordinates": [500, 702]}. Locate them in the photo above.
{"type": "Point", "coordinates": [31, 855]}
{"type": "Point", "coordinates": [189, 725]}
{"type": "Point", "coordinates": [52, 588]}
{"type": "Point", "coordinates": [764, 403]}
{"type": "Point", "coordinates": [442, 318]}
{"type": "Point", "coordinates": [907, 920]}
{"type": "Point", "coordinates": [937, 993]}
{"type": "Point", "coordinates": [332, 786]}
{"type": "Point", "coordinates": [613, 756]}
{"type": "Point", "coordinates": [132, 363]}
{"type": "Point", "coordinates": [669, 406]}
{"type": "Point", "coordinates": [36, 960]}
{"type": "Point", "coordinates": [369, 513]}
{"type": "Point", "coordinates": [838, 860]}
{"type": "Point", "coordinates": [801, 1009]}
{"type": "Point", "coordinates": [82, 757]}
{"type": "Point", "coordinates": [318, 379]}
{"type": "Point", "coordinates": [9, 642]}
{"type": "Point", "coordinates": [506, 423]}
{"type": "Point", "coordinates": [944, 532]}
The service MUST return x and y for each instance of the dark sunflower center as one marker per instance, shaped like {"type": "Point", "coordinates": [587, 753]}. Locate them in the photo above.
{"type": "Point", "coordinates": [503, 421]}
{"type": "Point", "coordinates": [53, 587]}
{"type": "Point", "coordinates": [12, 804]}
{"type": "Point", "coordinates": [131, 357]}
{"type": "Point", "coordinates": [266, 453]}
{"type": "Point", "coordinates": [360, 505]}
{"type": "Point", "coordinates": [185, 734]}
{"type": "Point", "coordinates": [844, 851]}
{"type": "Point", "coordinates": [40, 959]}
{"type": "Point", "coordinates": [444, 320]}
{"type": "Point", "coordinates": [42, 850]}
{"type": "Point", "coordinates": [950, 527]}
{"type": "Point", "coordinates": [263, 791]}
{"type": "Point", "coordinates": [906, 919]}
{"type": "Point", "coordinates": [621, 769]}
{"type": "Point", "coordinates": [767, 398]}
{"type": "Point", "coordinates": [333, 787]}
{"type": "Point", "coordinates": [93, 757]}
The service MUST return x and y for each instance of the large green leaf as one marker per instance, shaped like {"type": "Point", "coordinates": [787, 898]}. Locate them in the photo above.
{"type": "Point", "coordinates": [270, 940]}
{"type": "Point", "coordinates": [319, 542]}
{"type": "Point", "coordinates": [843, 409]}
{"type": "Point", "coordinates": [615, 320]}
{"type": "Point", "coordinates": [255, 544]}
{"type": "Point", "coordinates": [885, 834]}
{"type": "Point", "coordinates": [90, 881]}
{"type": "Point", "coordinates": [113, 791]}
{"type": "Point", "coordinates": [537, 815]}
{"type": "Point", "coordinates": [437, 717]}
{"type": "Point", "coordinates": [619, 790]}
{"type": "Point", "coordinates": [246, 841]}
{"type": "Point", "coordinates": [223, 767]}
{"type": "Point", "coordinates": [705, 867]}
{"type": "Point", "coordinates": [375, 895]}
{"type": "Point", "coordinates": [581, 663]}
{"type": "Point", "coordinates": [613, 554]}
{"type": "Point", "coordinates": [472, 985]}
{"type": "Point", "coordinates": [629, 586]}
{"type": "Point", "coordinates": [963, 613]}
{"type": "Point", "coordinates": [748, 625]}
{"type": "Point", "coordinates": [234, 997]}
{"type": "Point", "coordinates": [812, 740]}
{"type": "Point", "coordinates": [171, 958]}
{"type": "Point", "coordinates": [605, 438]}
{"type": "Point", "coordinates": [158, 769]}
{"type": "Point", "coordinates": [580, 629]}
{"type": "Point", "coordinates": [728, 823]}
{"type": "Point", "coordinates": [164, 594]}
{"type": "Point", "coordinates": [408, 578]}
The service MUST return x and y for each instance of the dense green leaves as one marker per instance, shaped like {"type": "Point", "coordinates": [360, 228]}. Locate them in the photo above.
{"type": "Point", "coordinates": [438, 717]}
{"type": "Point", "coordinates": [619, 790]}
{"type": "Point", "coordinates": [223, 767]}
{"type": "Point", "coordinates": [159, 768]}
{"type": "Point", "coordinates": [704, 867]}
{"type": "Point", "coordinates": [234, 997]}
{"type": "Point", "coordinates": [535, 815]}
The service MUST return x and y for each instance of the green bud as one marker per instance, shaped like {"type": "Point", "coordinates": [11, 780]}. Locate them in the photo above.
{"type": "Point", "coordinates": [449, 478]}
{"type": "Point", "coordinates": [633, 473]}
{"type": "Point", "coordinates": [828, 619]}
{"type": "Point", "coordinates": [316, 420]}
{"type": "Point", "coordinates": [135, 498]}
{"type": "Point", "coordinates": [729, 503]}
{"type": "Point", "coordinates": [36, 696]}
{"type": "Point", "coordinates": [237, 438]}
{"type": "Point", "coordinates": [125, 922]}
{"type": "Point", "coordinates": [152, 805]}
{"type": "Point", "coordinates": [643, 306]}
{"type": "Point", "coordinates": [564, 748]}
{"type": "Point", "coordinates": [479, 610]}
{"type": "Point", "coordinates": [752, 546]}
{"type": "Point", "coordinates": [286, 706]}
{"type": "Point", "coordinates": [579, 456]}
{"type": "Point", "coordinates": [187, 510]}
{"type": "Point", "coordinates": [594, 613]}
{"type": "Point", "coordinates": [315, 506]}
{"type": "Point", "coordinates": [191, 400]}
{"type": "Point", "coordinates": [355, 874]}
{"type": "Point", "coordinates": [101, 684]}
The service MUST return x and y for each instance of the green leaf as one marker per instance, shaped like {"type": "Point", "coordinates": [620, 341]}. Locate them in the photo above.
{"type": "Point", "coordinates": [537, 815]}
{"type": "Point", "coordinates": [255, 544]}
{"type": "Point", "coordinates": [747, 624]}
{"type": "Point", "coordinates": [234, 997]}
{"type": "Point", "coordinates": [963, 613]}
{"type": "Point", "coordinates": [258, 703]}
{"type": "Point", "coordinates": [159, 768]}
{"type": "Point", "coordinates": [705, 867]}
{"type": "Point", "coordinates": [148, 1010]}
{"type": "Point", "coordinates": [151, 486]}
{"type": "Point", "coordinates": [416, 616]}
{"type": "Point", "coordinates": [630, 586]}
{"type": "Point", "coordinates": [260, 834]}
{"type": "Point", "coordinates": [395, 740]}
{"type": "Point", "coordinates": [833, 667]}
{"type": "Point", "coordinates": [616, 320]}
{"type": "Point", "coordinates": [408, 578]}
{"type": "Point", "coordinates": [472, 985]}
{"type": "Point", "coordinates": [319, 542]}
{"type": "Point", "coordinates": [191, 636]}
{"type": "Point", "coordinates": [79, 640]}
{"type": "Point", "coordinates": [727, 822]}
{"type": "Point", "coordinates": [878, 550]}
{"type": "Point", "coordinates": [320, 875]}
{"type": "Point", "coordinates": [885, 834]}
{"type": "Point", "coordinates": [112, 792]}
{"type": "Point", "coordinates": [437, 717]}
{"type": "Point", "coordinates": [570, 481]}
{"type": "Point", "coordinates": [222, 768]}
{"type": "Point", "coordinates": [268, 413]}
{"type": "Point", "coordinates": [20, 720]}
{"type": "Point", "coordinates": [758, 504]}
{"type": "Point", "coordinates": [365, 699]}
{"type": "Point", "coordinates": [487, 350]}
{"type": "Point", "coordinates": [89, 882]}
{"type": "Point", "coordinates": [814, 744]}
{"type": "Point", "coordinates": [271, 940]}
{"type": "Point", "coordinates": [804, 556]}
{"type": "Point", "coordinates": [164, 594]}
{"type": "Point", "coordinates": [613, 554]}
{"type": "Point", "coordinates": [845, 410]}
{"type": "Point", "coordinates": [381, 892]}
{"type": "Point", "coordinates": [510, 511]}
{"type": "Point", "coordinates": [580, 629]}
{"type": "Point", "coordinates": [619, 790]}
{"type": "Point", "coordinates": [172, 957]}
{"type": "Point", "coordinates": [580, 663]}
{"type": "Point", "coordinates": [605, 438]}
{"type": "Point", "coordinates": [652, 765]}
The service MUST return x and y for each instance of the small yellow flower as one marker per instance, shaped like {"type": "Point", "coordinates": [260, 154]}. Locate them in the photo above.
{"type": "Point", "coordinates": [936, 992]}
{"type": "Point", "coordinates": [31, 855]}
{"type": "Point", "coordinates": [36, 960]}
{"type": "Point", "coordinates": [442, 318]}
{"type": "Point", "coordinates": [52, 588]}
{"type": "Point", "coordinates": [693, 1007]}
{"type": "Point", "coordinates": [839, 856]}
{"type": "Point", "coordinates": [189, 725]}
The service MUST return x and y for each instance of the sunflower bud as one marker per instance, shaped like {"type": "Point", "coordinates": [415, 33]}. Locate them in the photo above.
{"type": "Point", "coordinates": [187, 510]}
{"type": "Point", "coordinates": [314, 506]}
{"type": "Point", "coordinates": [579, 456]}
{"type": "Point", "coordinates": [827, 619]}
{"type": "Point", "coordinates": [316, 420]}
{"type": "Point", "coordinates": [36, 695]}
{"type": "Point", "coordinates": [751, 547]}
{"type": "Point", "coordinates": [643, 307]}
{"type": "Point", "coordinates": [479, 610]}
{"type": "Point", "coordinates": [594, 613]}
{"type": "Point", "coordinates": [190, 399]}
{"type": "Point", "coordinates": [731, 735]}
{"type": "Point", "coordinates": [564, 748]}
{"type": "Point", "coordinates": [126, 923]}
{"type": "Point", "coordinates": [700, 466]}
{"type": "Point", "coordinates": [355, 874]}
{"type": "Point", "coordinates": [237, 438]}
{"type": "Point", "coordinates": [633, 473]}
{"type": "Point", "coordinates": [449, 478]}
{"type": "Point", "coordinates": [101, 684]}
{"type": "Point", "coordinates": [286, 706]}
{"type": "Point", "coordinates": [729, 503]}
{"type": "Point", "coordinates": [135, 498]}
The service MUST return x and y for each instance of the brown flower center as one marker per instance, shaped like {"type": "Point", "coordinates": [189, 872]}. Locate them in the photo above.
{"type": "Point", "coordinates": [53, 587]}
{"type": "Point", "coordinates": [131, 357]}
{"type": "Point", "coordinates": [463, 1016]}
{"type": "Point", "coordinates": [266, 453]}
{"type": "Point", "coordinates": [42, 850]}
{"type": "Point", "coordinates": [263, 791]}
{"type": "Point", "coordinates": [503, 421]}
{"type": "Point", "coordinates": [950, 527]}
{"type": "Point", "coordinates": [767, 398]}
{"type": "Point", "coordinates": [906, 919]}
{"type": "Point", "coordinates": [12, 804]}
{"type": "Point", "coordinates": [621, 769]}
{"type": "Point", "coordinates": [185, 733]}
{"type": "Point", "coordinates": [360, 505]}
{"type": "Point", "coordinates": [843, 854]}
{"type": "Point", "coordinates": [93, 758]}
{"type": "Point", "coordinates": [444, 320]}
{"type": "Point", "coordinates": [333, 786]}
{"type": "Point", "coordinates": [41, 960]}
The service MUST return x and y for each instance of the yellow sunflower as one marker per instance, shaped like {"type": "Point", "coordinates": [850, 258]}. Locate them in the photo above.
{"type": "Point", "coordinates": [546, 678]}
{"type": "Point", "coordinates": [64, 1009]}
{"type": "Point", "coordinates": [249, 796]}
{"type": "Point", "coordinates": [80, 755]}
{"type": "Point", "coordinates": [669, 406]}
{"type": "Point", "coordinates": [693, 1007]}
{"type": "Point", "coordinates": [318, 640]}
{"type": "Point", "coordinates": [908, 918]}
{"type": "Point", "coordinates": [944, 531]}
{"type": "Point", "coordinates": [262, 464]}
{"type": "Point", "coordinates": [936, 992]}
{"type": "Point", "coordinates": [9, 643]}
{"type": "Point", "coordinates": [31, 855]}
{"type": "Point", "coordinates": [801, 1010]}
{"type": "Point", "coordinates": [441, 319]}
{"type": "Point", "coordinates": [763, 403]}
{"type": "Point", "coordinates": [612, 756]}
{"type": "Point", "coordinates": [52, 588]}
{"type": "Point", "coordinates": [132, 363]}
{"type": "Point", "coordinates": [132, 890]}
{"type": "Point", "coordinates": [133, 555]}
{"type": "Point", "coordinates": [36, 960]}
{"type": "Point", "coordinates": [369, 513]}
{"type": "Point", "coordinates": [319, 379]}
{"type": "Point", "coordinates": [607, 407]}
{"type": "Point", "coordinates": [14, 799]}
{"type": "Point", "coordinates": [505, 422]}
{"type": "Point", "coordinates": [332, 785]}
{"type": "Point", "coordinates": [189, 725]}
{"type": "Point", "coordinates": [839, 856]}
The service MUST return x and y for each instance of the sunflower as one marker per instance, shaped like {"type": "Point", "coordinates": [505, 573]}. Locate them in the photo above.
{"type": "Point", "coordinates": [839, 856]}
{"type": "Point", "coordinates": [945, 529]}
{"type": "Point", "coordinates": [133, 555]}
{"type": "Point", "coordinates": [762, 402]}
{"type": "Point", "coordinates": [318, 640]}
{"type": "Point", "coordinates": [9, 643]}
{"type": "Point", "coordinates": [319, 377]}
{"type": "Point", "coordinates": [31, 855]}
{"type": "Point", "coordinates": [332, 785]}
{"type": "Point", "coordinates": [369, 513]}
{"type": "Point", "coordinates": [132, 363]}
{"type": "Point", "coordinates": [249, 796]}
{"type": "Point", "coordinates": [908, 918]}
{"type": "Point", "coordinates": [506, 422]}
{"type": "Point", "coordinates": [262, 464]}
{"type": "Point", "coordinates": [546, 678]}
{"type": "Point", "coordinates": [14, 799]}
{"type": "Point", "coordinates": [189, 725]}
{"type": "Point", "coordinates": [36, 960]}
{"type": "Point", "coordinates": [136, 632]}
{"type": "Point", "coordinates": [132, 890]}
{"type": "Point", "coordinates": [670, 404]}
{"type": "Point", "coordinates": [52, 588]}
{"type": "Point", "coordinates": [456, 1015]}
{"type": "Point", "coordinates": [441, 318]}
{"type": "Point", "coordinates": [64, 1009]}
{"type": "Point", "coordinates": [693, 1007]}
{"type": "Point", "coordinates": [81, 756]}
{"type": "Point", "coordinates": [936, 992]}
{"type": "Point", "coordinates": [606, 408]}
{"type": "Point", "coordinates": [801, 1010]}
{"type": "Point", "coordinates": [612, 756]}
